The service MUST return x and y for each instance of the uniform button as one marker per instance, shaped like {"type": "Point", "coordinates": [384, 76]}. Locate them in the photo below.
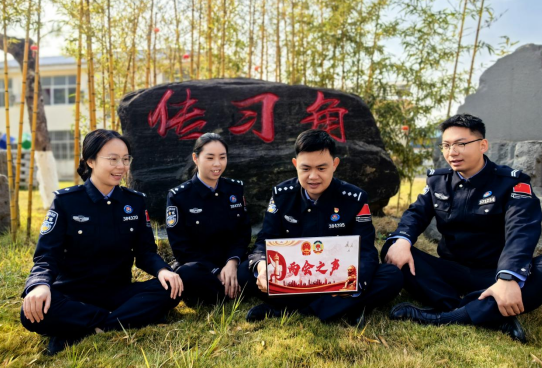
{"type": "Point", "coordinates": [108, 202]}
{"type": "Point", "coordinates": [309, 210]}
{"type": "Point", "coordinates": [80, 232]}
{"type": "Point", "coordinates": [197, 222]}
{"type": "Point", "coordinates": [65, 251]}
{"type": "Point", "coordinates": [238, 215]}
{"type": "Point", "coordinates": [523, 269]}
{"type": "Point", "coordinates": [460, 185]}
{"type": "Point", "coordinates": [131, 229]}
{"type": "Point", "coordinates": [487, 211]}
{"type": "Point", "coordinates": [436, 205]}
{"type": "Point", "coordinates": [216, 194]}
{"type": "Point", "coordinates": [287, 231]}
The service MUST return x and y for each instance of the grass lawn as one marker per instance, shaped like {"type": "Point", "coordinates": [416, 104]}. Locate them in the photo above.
{"type": "Point", "coordinates": [219, 336]}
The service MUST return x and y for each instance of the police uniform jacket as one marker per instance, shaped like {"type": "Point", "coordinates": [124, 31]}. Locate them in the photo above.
{"type": "Point", "coordinates": [491, 220]}
{"type": "Point", "coordinates": [291, 215]}
{"type": "Point", "coordinates": [89, 243]}
{"type": "Point", "coordinates": [206, 226]}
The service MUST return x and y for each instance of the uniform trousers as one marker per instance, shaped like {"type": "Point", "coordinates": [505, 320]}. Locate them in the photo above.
{"type": "Point", "coordinates": [200, 283]}
{"type": "Point", "coordinates": [77, 314]}
{"type": "Point", "coordinates": [386, 284]}
{"type": "Point", "coordinates": [446, 285]}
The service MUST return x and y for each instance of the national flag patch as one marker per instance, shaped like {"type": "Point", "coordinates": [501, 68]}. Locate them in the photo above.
{"type": "Point", "coordinates": [364, 214]}
{"type": "Point", "coordinates": [523, 188]}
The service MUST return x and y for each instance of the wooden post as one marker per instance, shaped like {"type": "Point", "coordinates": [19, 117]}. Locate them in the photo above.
{"type": "Point", "coordinates": [77, 129]}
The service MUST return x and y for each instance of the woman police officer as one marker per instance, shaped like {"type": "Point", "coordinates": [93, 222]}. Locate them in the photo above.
{"type": "Point", "coordinates": [81, 279]}
{"type": "Point", "coordinates": [207, 225]}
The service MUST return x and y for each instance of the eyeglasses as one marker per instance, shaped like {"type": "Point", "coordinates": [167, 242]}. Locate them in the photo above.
{"type": "Point", "coordinates": [459, 146]}
{"type": "Point", "coordinates": [114, 160]}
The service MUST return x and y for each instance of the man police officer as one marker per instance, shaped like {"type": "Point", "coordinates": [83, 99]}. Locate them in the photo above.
{"type": "Point", "coordinates": [490, 221]}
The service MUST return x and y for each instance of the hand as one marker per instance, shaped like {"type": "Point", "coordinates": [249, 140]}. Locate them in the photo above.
{"type": "Point", "coordinates": [36, 303]}
{"type": "Point", "coordinates": [261, 281]}
{"type": "Point", "coordinates": [177, 287]}
{"type": "Point", "coordinates": [507, 294]}
{"type": "Point", "coordinates": [228, 278]}
{"type": "Point", "coordinates": [399, 254]}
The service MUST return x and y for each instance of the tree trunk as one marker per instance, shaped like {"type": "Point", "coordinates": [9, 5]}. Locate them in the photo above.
{"type": "Point", "coordinates": [47, 174]}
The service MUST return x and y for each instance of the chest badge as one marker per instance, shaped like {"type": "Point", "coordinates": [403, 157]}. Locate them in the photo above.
{"type": "Point", "coordinates": [487, 194]}
{"type": "Point", "coordinates": [81, 218]}
{"type": "Point", "coordinates": [335, 217]}
{"type": "Point", "coordinates": [128, 209]}
{"type": "Point", "coordinates": [441, 196]}
{"type": "Point", "coordinates": [233, 199]}
{"type": "Point", "coordinates": [336, 210]}
{"type": "Point", "coordinates": [195, 210]}
{"type": "Point", "coordinates": [487, 200]}
{"type": "Point", "coordinates": [172, 216]}
{"type": "Point", "coordinates": [290, 219]}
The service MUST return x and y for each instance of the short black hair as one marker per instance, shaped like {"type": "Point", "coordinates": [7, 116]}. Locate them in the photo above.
{"type": "Point", "coordinates": [315, 140]}
{"type": "Point", "coordinates": [471, 122]}
{"type": "Point", "coordinates": [92, 144]}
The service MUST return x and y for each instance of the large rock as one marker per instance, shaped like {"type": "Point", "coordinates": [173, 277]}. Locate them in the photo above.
{"type": "Point", "coordinates": [5, 218]}
{"type": "Point", "coordinates": [260, 121]}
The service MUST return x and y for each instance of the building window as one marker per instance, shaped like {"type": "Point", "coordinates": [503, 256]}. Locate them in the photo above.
{"type": "Point", "coordinates": [3, 91]}
{"type": "Point", "coordinates": [62, 144]}
{"type": "Point", "coordinates": [59, 90]}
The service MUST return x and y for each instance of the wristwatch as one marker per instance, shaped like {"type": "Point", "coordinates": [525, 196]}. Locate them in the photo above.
{"type": "Point", "coordinates": [507, 277]}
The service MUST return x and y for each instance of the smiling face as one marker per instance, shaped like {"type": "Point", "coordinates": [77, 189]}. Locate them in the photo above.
{"type": "Point", "coordinates": [211, 162]}
{"type": "Point", "coordinates": [105, 176]}
{"type": "Point", "coordinates": [315, 171]}
{"type": "Point", "coordinates": [467, 161]}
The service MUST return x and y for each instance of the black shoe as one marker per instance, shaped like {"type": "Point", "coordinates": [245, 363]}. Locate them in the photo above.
{"type": "Point", "coordinates": [59, 343]}
{"type": "Point", "coordinates": [262, 311]}
{"type": "Point", "coordinates": [512, 328]}
{"type": "Point", "coordinates": [408, 311]}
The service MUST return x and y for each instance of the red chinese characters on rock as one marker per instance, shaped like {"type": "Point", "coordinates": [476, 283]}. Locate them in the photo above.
{"type": "Point", "coordinates": [327, 116]}
{"type": "Point", "coordinates": [267, 133]}
{"type": "Point", "coordinates": [186, 113]}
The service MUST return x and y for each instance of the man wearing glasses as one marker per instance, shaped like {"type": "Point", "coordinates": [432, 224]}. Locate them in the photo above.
{"type": "Point", "coordinates": [490, 221]}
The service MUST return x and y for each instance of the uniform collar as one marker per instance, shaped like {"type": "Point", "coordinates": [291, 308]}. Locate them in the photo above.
{"type": "Point", "coordinates": [478, 179]}
{"type": "Point", "coordinates": [326, 196]}
{"type": "Point", "coordinates": [95, 195]}
{"type": "Point", "coordinates": [203, 190]}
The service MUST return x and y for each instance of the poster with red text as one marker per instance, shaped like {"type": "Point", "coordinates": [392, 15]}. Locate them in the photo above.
{"type": "Point", "coordinates": [312, 265]}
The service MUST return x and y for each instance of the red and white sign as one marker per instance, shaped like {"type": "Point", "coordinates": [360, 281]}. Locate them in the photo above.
{"type": "Point", "coordinates": [312, 265]}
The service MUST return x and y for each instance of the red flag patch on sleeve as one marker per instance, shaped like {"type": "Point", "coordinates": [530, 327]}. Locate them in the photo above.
{"type": "Point", "coordinates": [365, 211]}
{"type": "Point", "coordinates": [523, 188]}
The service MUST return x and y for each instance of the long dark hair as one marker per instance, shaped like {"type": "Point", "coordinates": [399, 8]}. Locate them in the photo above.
{"type": "Point", "coordinates": [93, 143]}
{"type": "Point", "coordinates": [202, 141]}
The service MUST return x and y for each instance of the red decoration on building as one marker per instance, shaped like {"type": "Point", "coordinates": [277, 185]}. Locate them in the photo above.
{"type": "Point", "coordinates": [329, 118]}
{"type": "Point", "coordinates": [307, 268]}
{"type": "Point", "coordinates": [319, 268]}
{"type": "Point", "coordinates": [334, 266]}
{"type": "Point", "coordinates": [160, 114]}
{"type": "Point", "coordinates": [294, 268]}
{"type": "Point", "coordinates": [268, 100]}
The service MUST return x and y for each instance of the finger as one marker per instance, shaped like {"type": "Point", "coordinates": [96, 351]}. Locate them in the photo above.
{"type": "Point", "coordinates": [484, 295]}
{"type": "Point", "coordinates": [34, 310]}
{"type": "Point", "coordinates": [386, 259]}
{"type": "Point", "coordinates": [39, 308]}
{"type": "Point", "coordinates": [520, 306]}
{"type": "Point", "coordinates": [26, 310]}
{"type": "Point", "coordinates": [503, 311]}
{"type": "Point", "coordinates": [182, 286]}
{"type": "Point", "coordinates": [515, 309]}
{"type": "Point", "coordinates": [411, 266]}
{"type": "Point", "coordinates": [47, 304]}
{"type": "Point", "coordinates": [163, 282]}
{"type": "Point", "coordinates": [174, 286]}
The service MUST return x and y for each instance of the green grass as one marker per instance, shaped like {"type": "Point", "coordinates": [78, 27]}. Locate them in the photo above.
{"type": "Point", "coordinates": [207, 336]}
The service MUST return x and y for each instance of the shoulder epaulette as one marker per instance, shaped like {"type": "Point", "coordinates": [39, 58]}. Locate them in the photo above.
{"type": "Point", "coordinates": [285, 187]}
{"type": "Point", "coordinates": [181, 187]}
{"type": "Point", "coordinates": [75, 188]}
{"type": "Point", "coordinates": [507, 172]}
{"type": "Point", "coordinates": [233, 181]}
{"type": "Point", "coordinates": [134, 191]}
{"type": "Point", "coordinates": [351, 191]}
{"type": "Point", "coordinates": [432, 172]}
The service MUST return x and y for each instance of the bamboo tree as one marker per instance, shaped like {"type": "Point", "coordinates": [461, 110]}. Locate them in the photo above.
{"type": "Point", "coordinates": [34, 123]}
{"type": "Point", "coordinates": [12, 211]}
{"type": "Point", "coordinates": [90, 68]}
{"type": "Point", "coordinates": [370, 75]}
{"type": "Point", "coordinates": [111, 73]}
{"type": "Point", "coordinates": [209, 39]}
{"type": "Point", "coordinates": [263, 41]}
{"type": "Point", "coordinates": [178, 52]}
{"type": "Point", "coordinates": [475, 49]}
{"type": "Point", "coordinates": [21, 111]}
{"type": "Point", "coordinates": [277, 54]}
{"type": "Point", "coordinates": [200, 11]}
{"type": "Point", "coordinates": [293, 48]}
{"type": "Point", "coordinates": [192, 25]}
{"type": "Point", "coordinates": [223, 39]}
{"type": "Point", "coordinates": [77, 129]}
{"type": "Point", "coordinates": [458, 52]}
{"type": "Point", "coordinates": [103, 62]}
{"type": "Point", "coordinates": [250, 35]}
{"type": "Point", "coordinates": [155, 31]}
{"type": "Point", "coordinates": [132, 54]}
{"type": "Point", "coordinates": [149, 45]}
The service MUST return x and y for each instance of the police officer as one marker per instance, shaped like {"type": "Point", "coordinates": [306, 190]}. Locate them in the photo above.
{"type": "Point", "coordinates": [489, 218]}
{"type": "Point", "coordinates": [207, 225]}
{"type": "Point", "coordinates": [81, 279]}
{"type": "Point", "coordinates": [307, 206]}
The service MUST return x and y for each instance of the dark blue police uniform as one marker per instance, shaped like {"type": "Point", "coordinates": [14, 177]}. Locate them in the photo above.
{"type": "Point", "coordinates": [85, 254]}
{"type": "Point", "coordinates": [490, 223]}
{"type": "Point", "coordinates": [206, 228]}
{"type": "Point", "coordinates": [291, 215]}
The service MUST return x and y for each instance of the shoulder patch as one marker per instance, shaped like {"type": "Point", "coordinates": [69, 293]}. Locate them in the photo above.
{"type": "Point", "coordinates": [75, 188]}
{"type": "Point", "coordinates": [181, 187]}
{"type": "Point", "coordinates": [134, 191]}
{"type": "Point", "coordinates": [286, 187]}
{"type": "Point", "coordinates": [49, 222]}
{"type": "Point", "coordinates": [351, 191]}
{"type": "Point", "coordinates": [234, 181]}
{"type": "Point", "coordinates": [432, 172]}
{"type": "Point", "coordinates": [507, 172]}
